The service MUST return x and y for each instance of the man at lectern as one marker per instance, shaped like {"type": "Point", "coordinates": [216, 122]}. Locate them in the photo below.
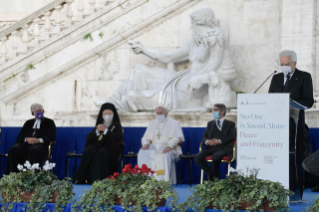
{"type": "Point", "coordinates": [299, 85]}
{"type": "Point", "coordinates": [218, 138]}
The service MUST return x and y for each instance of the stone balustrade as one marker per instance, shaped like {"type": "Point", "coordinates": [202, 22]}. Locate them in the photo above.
{"type": "Point", "coordinates": [21, 37]}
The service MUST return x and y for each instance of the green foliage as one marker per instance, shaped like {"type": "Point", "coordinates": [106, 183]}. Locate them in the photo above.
{"type": "Point", "coordinates": [88, 36]}
{"type": "Point", "coordinates": [13, 75]}
{"type": "Point", "coordinates": [130, 188]}
{"type": "Point", "coordinates": [30, 66]}
{"type": "Point", "coordinates": [238, 92]}
{"type": "Point", "coordinates": [314, 206]}
{"type": "Point", "coordinates": [43, 184]}
{"type": "Point", "coordinates": [101, 35]}
{"type": "Point", "coordinates": [230, 193]}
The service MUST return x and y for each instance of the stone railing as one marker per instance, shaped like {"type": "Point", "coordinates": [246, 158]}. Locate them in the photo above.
{"type": "Point", "coordinates": [22, 36]}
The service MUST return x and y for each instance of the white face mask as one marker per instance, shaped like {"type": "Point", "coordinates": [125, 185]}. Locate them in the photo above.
{"type": "Point", "coordinates": [108, 118]}
{"type": "Point", "coordinates": [160, 118]}
{"type": "Point", "coordinates": [286, 70]}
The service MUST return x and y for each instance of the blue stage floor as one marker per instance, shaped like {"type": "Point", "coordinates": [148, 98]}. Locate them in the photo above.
{"type": "Point", "coordinates": [183, 192]}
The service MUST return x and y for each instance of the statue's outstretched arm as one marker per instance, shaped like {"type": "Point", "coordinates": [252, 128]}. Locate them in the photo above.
{"type": "Point", "coordinates": [176, 56]}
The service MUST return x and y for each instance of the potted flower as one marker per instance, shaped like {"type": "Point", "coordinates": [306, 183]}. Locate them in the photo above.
{"type": "Point", "coordinates": [36, 186]}
{"type": "Point", "coordinates": [133, 189]}
{"type": "Point", "coordinates": [239, 192]}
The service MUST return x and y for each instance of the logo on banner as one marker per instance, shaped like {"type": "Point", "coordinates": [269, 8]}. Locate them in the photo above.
{"type": "Point", "coordinates": [244, 102]}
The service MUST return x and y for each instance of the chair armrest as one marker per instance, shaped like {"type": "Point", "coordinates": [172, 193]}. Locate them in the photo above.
{"type": "Point", "coordinates": [200, 146]}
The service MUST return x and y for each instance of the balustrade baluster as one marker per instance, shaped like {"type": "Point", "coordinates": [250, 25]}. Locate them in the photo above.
{"type": "Point", "coordinates": [25, 38]}
{"type": "Point", "coordinates": [69, 13]}
{"type": "Point", "coordinates": [36, 31]}
{"type": "Point", "coordinates": [4, 50]}
{"type": "Point", "coordinates": [91, 9]}
{"type": "Point", "coordinates": [58, 19]}
{"type": "Point", "coordinates": [14, 43]}
{"type": "Point", "coordinates": [80, 8]}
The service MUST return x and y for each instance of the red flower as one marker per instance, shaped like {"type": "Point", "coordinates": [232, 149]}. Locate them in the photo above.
{"type": "Point", "coordinates": [125, 183]}
{"type": "Point", "coordinates": [144, 166]}
{"type": "Point", "coordinates": [116, 174]}
{"type": "Point", "coordinates": [136, 167]}
{"type": "Point", "coordinates": [111, 177]}
{"type": "Point", "coordinates": [152, 171]}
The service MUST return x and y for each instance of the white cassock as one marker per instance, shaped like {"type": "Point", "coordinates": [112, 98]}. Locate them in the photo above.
{"type": "Point", "coordinates": [159, 135]}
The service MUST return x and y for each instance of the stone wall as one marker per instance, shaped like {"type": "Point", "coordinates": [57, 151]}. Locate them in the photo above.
{"type": "Point", "coordinates": [255, 30]}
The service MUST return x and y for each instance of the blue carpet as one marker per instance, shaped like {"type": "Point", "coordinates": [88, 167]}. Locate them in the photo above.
{"type": "Point", "coordinates": [184, 192]}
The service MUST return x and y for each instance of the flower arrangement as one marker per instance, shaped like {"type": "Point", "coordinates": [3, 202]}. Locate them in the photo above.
{"type": "Point", "coordinates": [133, 189]}
{"type": "Point", "coordinates": [35, 185]}
{"type": "Point", "coordinates": [239, 191]}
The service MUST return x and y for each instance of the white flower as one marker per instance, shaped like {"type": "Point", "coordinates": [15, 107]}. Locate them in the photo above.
{"type": "Point", "coordinates": [27, 164]}
{"type": "Point", "coordinates": [24, 170]}
{"type": "Point", "coordinates": [20, 167]}
{"type": "Point", "coordinates": [232, 169]}
{"type": "Point", "coordinates": [240, 171]}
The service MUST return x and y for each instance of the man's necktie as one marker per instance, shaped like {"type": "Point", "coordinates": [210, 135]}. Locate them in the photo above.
{"type": "Point", "coordinates": [286, 84]}
{"type": "Point", "coordinates": [218, 123]}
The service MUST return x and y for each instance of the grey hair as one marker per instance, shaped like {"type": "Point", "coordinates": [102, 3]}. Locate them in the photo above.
{"type": "Point", "coordinates": [36, 106]}
{"type": "Point", "coordinates": [289, 53]}
{"type": "Point", "coordinates": [165, 110]}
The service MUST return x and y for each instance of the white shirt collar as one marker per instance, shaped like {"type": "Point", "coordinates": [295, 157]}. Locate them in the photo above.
{"type": "Point", "coordinates": [37, 124]}
{"type": "Point", "coordinates": [221, 121]}
{"type": "Point", "coordinates": [291, 74]}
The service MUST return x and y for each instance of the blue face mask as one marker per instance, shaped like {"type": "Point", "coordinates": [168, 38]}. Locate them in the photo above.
{"type": "Point", "coordinates": [216, 115]}
{"type": "Point", "coordinates": [39, 115]}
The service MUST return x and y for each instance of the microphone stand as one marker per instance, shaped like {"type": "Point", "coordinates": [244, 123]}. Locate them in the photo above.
{"type": "Point", "coordinates": [265, 81]}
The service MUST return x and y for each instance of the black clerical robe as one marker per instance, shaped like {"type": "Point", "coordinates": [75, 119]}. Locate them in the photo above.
{"type": "Point", "coordinates": [36, 153]}
{"type": "Point", "coordinates": [100, 158]}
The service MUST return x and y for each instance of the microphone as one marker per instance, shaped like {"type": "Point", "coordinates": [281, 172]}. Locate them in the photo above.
{"type": "Point", "coordinates": [265, 80]}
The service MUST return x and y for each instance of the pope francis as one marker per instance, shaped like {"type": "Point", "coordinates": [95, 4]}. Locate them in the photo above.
{"type": "Point", "coordinates": [160, 146]}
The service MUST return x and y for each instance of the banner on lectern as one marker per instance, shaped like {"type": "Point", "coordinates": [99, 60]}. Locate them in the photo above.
{"type": "Point", "coordinates": [263, 135]}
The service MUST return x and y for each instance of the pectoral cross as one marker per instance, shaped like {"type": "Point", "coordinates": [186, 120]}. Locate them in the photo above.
{"type": "Point", "coordinates": [159, 134]}
{"type": "Point", "coordinates": [34, 132]}
{"type": "Point", "coordinates": [101, 137]}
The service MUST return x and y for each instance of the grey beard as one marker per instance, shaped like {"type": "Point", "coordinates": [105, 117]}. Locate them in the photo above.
{"type": "Point", "coordinates": [107, 124]}
{"type": "Point", "coordinates": [199, 36]}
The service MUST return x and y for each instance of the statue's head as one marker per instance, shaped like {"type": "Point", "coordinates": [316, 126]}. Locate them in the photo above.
{"type": "Point", "coordinates": [202, 20]}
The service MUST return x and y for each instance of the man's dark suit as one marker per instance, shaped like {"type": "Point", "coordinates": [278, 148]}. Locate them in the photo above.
{"type": "Point", "coordinates": [228, 136]}
{"type": "Point", "coordinates": [301, 90]}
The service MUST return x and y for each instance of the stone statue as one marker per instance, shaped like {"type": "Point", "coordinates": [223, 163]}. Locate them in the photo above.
{"type": "Point", "coordinates": [205, 83]}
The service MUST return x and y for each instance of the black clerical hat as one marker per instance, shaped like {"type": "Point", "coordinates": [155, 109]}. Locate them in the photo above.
{"type": "Point", "coordinates": [108, 106]}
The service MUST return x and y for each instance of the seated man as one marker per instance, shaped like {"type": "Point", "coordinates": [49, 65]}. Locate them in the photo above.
{"type": "Point", "coordinates": [33, 140]}
{"type": "Point", "coordinates": [100, 157]}
{"type": "Point", "coordinates": [160, 146]}
{"type": "Point", "coordinates": [218, 138]}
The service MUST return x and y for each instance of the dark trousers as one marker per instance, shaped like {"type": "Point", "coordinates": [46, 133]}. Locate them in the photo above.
{"type": "Point", "coordinates": [21, 152]}
{"type": "Point", "coordinates": [217, 152]}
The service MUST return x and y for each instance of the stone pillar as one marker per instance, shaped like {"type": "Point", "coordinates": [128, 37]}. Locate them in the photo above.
{"type": "Point", "coordinates": [297, 33]}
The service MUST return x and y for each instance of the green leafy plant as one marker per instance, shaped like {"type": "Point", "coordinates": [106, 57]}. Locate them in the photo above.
{"type": "Point", "coordinates": [88, 36]}
{"type": "Point", "coordinates": [30, 66]}
{"type": "Point", "coordinates": [39, 185]}
{"type": "Point", "coordinates": [314, 206]}
{"type": "Point", "coordinates": [101, 35]}
{"type": "Point", "coordinates": [133, 189]}
{"type": "Point", "coordinates": [236, 192]}
{"type": "Point", "coordinates": [13, 75]}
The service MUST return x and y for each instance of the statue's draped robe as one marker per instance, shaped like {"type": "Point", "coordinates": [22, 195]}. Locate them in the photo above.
{"type": "Point", "coordinates": [36, 153]}
{"type": "Point", "coordinates": [100, 158]}
{"type": "Point", "coordinates": [160, 135]}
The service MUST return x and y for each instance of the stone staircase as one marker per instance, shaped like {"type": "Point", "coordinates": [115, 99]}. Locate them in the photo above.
{"type": "Point", "coordinates": [53, 34]}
